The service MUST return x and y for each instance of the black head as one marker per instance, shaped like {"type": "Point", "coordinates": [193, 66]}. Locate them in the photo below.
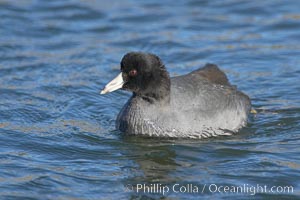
{"type": "Point", "coordinates": [145, 75]}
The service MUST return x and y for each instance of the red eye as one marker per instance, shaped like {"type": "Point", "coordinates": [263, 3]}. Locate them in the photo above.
{"type": "Point", "coordinates": [133, 72]}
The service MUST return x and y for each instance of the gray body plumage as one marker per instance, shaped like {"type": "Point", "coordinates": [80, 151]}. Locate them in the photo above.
{"type": "Point", "coordinates": [202, 104]}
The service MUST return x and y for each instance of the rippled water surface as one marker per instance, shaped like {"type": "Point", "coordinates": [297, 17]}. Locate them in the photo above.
{"type": "Point", "coordinates": [57, 136]}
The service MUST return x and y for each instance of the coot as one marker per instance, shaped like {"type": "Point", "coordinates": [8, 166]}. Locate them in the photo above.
{"type": "Point", "coordinates": [200, 104]}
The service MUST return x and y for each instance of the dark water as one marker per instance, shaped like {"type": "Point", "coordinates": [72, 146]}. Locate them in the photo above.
{"type": "Point", "coordinates": [57, 137]}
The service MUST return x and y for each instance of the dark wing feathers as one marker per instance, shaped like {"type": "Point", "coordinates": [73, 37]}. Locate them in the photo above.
{"type": "Point", "coordinates": [198, 89]}
{"type": "Point", "coordinates": [213, 74]}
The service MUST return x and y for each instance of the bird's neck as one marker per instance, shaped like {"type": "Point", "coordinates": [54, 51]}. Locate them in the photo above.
{"type": "Point", "coordinates": [155, 99]}
{"type": "Point", "coordinates": [158, 92]}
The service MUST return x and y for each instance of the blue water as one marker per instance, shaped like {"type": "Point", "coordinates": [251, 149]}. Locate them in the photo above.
{"type": "Point", "coordinates": [57, 135]}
